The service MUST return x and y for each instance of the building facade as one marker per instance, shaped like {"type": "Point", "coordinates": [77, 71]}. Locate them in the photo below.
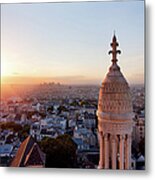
{"type": "Point", "coordinates": [115, 117]}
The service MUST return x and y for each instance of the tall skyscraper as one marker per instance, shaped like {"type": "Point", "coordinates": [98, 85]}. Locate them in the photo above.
{"type": "Point", "coordinates": [115, 117]}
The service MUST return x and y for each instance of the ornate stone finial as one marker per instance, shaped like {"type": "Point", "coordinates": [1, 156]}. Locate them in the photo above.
{"type": "Point", "coordinates": [114, 50]}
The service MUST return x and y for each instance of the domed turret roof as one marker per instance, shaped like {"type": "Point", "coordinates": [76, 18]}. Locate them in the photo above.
{"type": "Point", "coordinates": [114, 75]}
{"type": "Point", "coordinates": [114, 96]}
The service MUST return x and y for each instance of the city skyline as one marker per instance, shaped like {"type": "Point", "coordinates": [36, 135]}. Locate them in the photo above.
{"type": "Point", "coordinates": [69, 42]}
{"type": "Point", "coordinates": [72, 85]}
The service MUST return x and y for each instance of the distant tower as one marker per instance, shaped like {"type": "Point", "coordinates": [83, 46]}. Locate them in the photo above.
{"type": "Point", "coordinates": [115, 117]}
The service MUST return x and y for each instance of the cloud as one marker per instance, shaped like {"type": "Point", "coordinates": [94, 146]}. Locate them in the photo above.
{"type": "Point", "coordinates": [15, 73]}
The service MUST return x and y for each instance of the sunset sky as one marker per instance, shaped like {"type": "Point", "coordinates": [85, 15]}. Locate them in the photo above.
{"type": "Point", "coordinates": [69, 42]}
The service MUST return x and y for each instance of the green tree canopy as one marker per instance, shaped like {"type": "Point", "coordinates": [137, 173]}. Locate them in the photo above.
{"type": "Point", "coordinates": [60, 152]}
{"type": "Point", "coordinates": [11, 126]}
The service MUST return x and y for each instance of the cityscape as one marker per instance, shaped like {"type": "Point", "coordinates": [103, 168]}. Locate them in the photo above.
{"type": "Point", "coordinates": [53, 110]}
{"type": "Point", "coordinates": [72, 108]}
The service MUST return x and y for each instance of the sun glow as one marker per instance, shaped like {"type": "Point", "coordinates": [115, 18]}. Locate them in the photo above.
{"type": "Point", "coordinates": [5, 67]}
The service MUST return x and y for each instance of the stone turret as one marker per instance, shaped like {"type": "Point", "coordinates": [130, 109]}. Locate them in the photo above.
{"type": "Point", "coordinates": [115, 117]}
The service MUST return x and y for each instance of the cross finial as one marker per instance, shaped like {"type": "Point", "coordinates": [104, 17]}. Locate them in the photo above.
{"type": "Point", "coordinates": [114, 50]}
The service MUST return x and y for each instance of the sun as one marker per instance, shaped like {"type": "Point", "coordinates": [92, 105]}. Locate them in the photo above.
{"type": "Point", "coordinates": [5, 67]}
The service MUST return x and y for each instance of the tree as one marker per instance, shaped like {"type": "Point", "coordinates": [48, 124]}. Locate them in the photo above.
{"type": "Point", "coordinates": [60, 152]}
{"type": "Point", "coordinates": [50, 109]}
{"type": "Point", "coordinates": [11, 126]}
{"type": "Point", "coordinates": [9, 139]}
{"type": "Point", "coordinates": [142, 146]}
{"type": "Point", "coordinates": [62, 108]}
{"type": "Point", "coordinates": [24, 133]}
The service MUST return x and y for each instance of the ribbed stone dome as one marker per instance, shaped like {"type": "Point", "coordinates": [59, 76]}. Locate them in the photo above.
{"type": "Point", "coordinates": [114, 96]}
{"type": "Point", "coordinates": [114, 113]}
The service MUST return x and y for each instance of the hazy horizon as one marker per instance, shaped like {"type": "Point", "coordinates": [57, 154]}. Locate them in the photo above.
{"type": "Point", "coordinates": [37, 81]}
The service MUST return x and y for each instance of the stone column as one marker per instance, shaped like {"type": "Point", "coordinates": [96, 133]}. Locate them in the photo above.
{"type": "Point", "coordinates": [128, 152]}
{"type": "Point", "coordinates": [101, 162]}
{"type": "Point", "coordinates": [113, 142]}
{"type": "Point", "coordinates": [121, 152]}
{"type": "Point", "coordinates": [106, 152]}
